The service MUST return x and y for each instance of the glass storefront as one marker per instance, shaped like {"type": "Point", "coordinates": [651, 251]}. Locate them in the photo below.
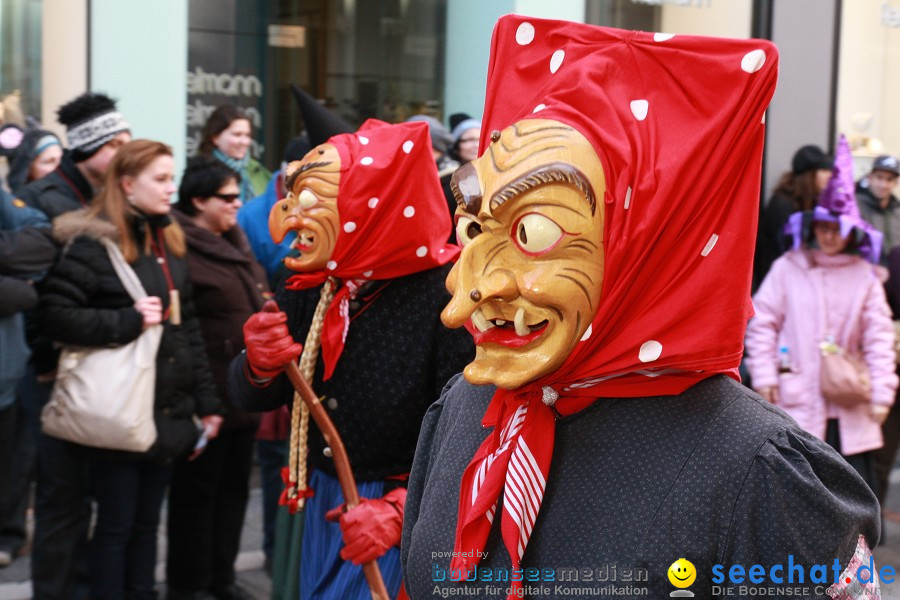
{"type": "Point", "coordinates": [20, 52]}
{"type": "Point", "coordinates": [868, 79]}
{"type": "Point", "coordinates": [381, 59]}
{"type": "Point", "coordinates": [226, 65]}
{"type": "Point", "coordinates": [386, 58]}
{"type": "Point", "coordinates": [721, 18]}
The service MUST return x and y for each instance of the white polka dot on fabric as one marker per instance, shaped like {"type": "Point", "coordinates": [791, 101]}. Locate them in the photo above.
{"type": "Point", "coordinates": [366, 160]}
{"type": "Point", "coordinates": [639, 109]}
{"type": "Point", "coordinates": [650, 351]}
{"type": "Point", "coordinates": [753, 61]}
{"type": "Point", "coordinates": [331, 265]}
{"type": "Point", "coordinates": [367, 273]}
{"type": "Point", "coordinates": [556, 60]}
{"type": "Point", "coordinates": [588, 332]}
{"type": "Point", "coordinates": [373, 202]}
{"type": "Point", "coordinates": [349, 226]}
{"type": "Point", "coordinates": [409, 211]}
{"type": "Point", "coordinates": [442, 250]}
{"type": "Point", "coordinates": [539, 108]}
{"type": "Point", "coordinates": [628, 198]}
{"type": "Point", "coordinates": [710, 245]}
{"type": "Point", "coordinates": [363, 140]}
{"type": "Point", "coordinates": [763, 121]}
{"type": "Point", "coordinates": [408, 146]}
{"type": "Point", "coordinates": [662, 37]}
{"type": "Point", "coordinates": [421, 251]}
{"type": "Point", "coordinates": [525, 34]}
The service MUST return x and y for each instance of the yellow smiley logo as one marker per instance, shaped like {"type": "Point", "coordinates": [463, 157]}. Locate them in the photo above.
{"type": "Point", "coordinates": [682, 573]}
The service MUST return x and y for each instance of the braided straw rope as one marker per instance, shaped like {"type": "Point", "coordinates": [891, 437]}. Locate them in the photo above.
{"type": "Point", "coordinates": [300, 414]}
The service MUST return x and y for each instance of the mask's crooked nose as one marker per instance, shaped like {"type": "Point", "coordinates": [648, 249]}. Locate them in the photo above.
{"type": "Point", "coordinates": [470, 290]}
{"type": "Point", "coordinates": [282, 217]}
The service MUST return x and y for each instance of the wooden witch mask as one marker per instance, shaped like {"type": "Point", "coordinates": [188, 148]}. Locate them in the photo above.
{"type": "Point", "coordinates": [528, 282]}
{"type": "Point", "coordinates": [608, 224]}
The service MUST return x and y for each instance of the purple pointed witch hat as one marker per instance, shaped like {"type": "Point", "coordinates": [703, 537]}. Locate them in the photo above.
{"type": "Point", "coordinates": [837, 204]}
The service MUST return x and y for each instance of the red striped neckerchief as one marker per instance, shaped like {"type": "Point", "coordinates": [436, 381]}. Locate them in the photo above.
{"type": "Point", "coordinates": [515, 460]}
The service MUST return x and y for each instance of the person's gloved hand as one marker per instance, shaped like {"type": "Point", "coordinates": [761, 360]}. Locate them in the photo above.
{"type": "Point", "coordinates": [268, 341]}
{"type": "Point", "coordinates": [372, 527]}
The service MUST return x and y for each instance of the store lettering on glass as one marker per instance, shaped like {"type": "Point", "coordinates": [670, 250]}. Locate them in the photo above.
{"type": "Point", "coordinates": [214, 89]}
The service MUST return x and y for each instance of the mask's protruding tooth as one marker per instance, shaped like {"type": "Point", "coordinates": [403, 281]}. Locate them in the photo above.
{"type": "Point", "coordinates": [479, 321]}
{"type": "Point", "coordinates": [521, 328]}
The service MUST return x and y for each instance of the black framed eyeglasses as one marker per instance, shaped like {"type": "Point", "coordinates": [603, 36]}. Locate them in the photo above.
{"type": "Point", "coordinates": [229, 198]}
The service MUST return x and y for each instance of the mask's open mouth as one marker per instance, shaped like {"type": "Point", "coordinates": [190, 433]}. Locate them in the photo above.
{"type": "Point", "coordinates": [304, 242]}
{"type": "Point", "coordinates": [511, 333]}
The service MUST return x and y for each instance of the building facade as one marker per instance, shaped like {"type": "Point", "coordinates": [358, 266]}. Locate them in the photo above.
{"type": "Point", "coordinates": [170, 62]}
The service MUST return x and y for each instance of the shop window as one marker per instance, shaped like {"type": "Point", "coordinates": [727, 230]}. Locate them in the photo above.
{"type": "Point", "coordinates": [720, 18]}
{"type": "Point", "coordinates": [20, 55]}
{"type": "Point", "coordinates": [363, 59]}
{"type": "Point", "coordinates": [868, 79]}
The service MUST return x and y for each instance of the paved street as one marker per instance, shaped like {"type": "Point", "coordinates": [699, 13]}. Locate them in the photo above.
{"type": "Point", "coordinates": [14, 584]}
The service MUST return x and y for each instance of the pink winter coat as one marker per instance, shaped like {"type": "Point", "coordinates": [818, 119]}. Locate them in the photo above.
{"type": "Point", "coordinates": [790, 312]}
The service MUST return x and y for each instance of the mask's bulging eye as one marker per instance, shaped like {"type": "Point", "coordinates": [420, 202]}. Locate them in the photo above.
{"type": "Point", "coordinates": [466, 229]}
{"type": "Point", "coordinates": [535, 233]}
{"type": "Point", "coordinates": [307, 199]}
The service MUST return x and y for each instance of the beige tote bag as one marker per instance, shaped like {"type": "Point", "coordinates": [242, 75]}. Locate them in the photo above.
{"type": "Point", "coordinates": [103, 397]}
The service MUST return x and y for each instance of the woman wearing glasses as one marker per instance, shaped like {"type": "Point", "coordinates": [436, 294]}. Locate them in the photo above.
{"type": "Point", "coordinates": [465, 140]}
{"type": "Point", "coordinates": [208, 495]}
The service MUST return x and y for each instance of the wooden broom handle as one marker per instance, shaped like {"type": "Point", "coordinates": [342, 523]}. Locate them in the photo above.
{"type": "Point", "coordinates": [341, 465]}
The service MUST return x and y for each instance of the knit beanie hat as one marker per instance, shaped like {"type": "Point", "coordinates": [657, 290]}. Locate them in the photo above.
{"type": "Point", "coordinates": [21, 148]}
{"type": "Point", "coordinates": [91, 120]}
{"type": "Point", "coordinates": [457, 118]}
{"type": "Point", "coordinates": [440, 137]}
{"type": "Point", "coordinates": [810, 158]}
{"type": "Point", "coordinates": [464, 126]}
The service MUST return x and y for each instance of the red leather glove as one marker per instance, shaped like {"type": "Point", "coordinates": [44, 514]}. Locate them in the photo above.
{"type": "Point", "coordinates": [269, 343]}
{"type": "Point", "coordinates": [372, 527]}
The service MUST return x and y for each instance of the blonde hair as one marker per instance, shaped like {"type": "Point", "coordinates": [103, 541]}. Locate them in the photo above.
{"type": "Point", "coordinates": [112, 205]}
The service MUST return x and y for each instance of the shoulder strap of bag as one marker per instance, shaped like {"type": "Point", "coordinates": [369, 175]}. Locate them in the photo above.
{"type": "Point", "coordinates": [126, 274]}
{"type": "Point", "coordinates": [839, 332]}
{"type": "Point", "coordinates": [823, 302]}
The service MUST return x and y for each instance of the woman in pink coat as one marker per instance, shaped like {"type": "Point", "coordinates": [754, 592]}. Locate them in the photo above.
{"type": "Point", "coordinates": [821, 295]}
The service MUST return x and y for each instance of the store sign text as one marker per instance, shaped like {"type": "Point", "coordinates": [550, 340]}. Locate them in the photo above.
{"type": "Point", "coordinates": [890, 15]}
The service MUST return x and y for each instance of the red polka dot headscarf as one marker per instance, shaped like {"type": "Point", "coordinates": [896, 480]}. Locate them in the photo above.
{"type": "Point", "coordinates": [677, 122]}
{"type": "Point", "coordinates": [393, 218]}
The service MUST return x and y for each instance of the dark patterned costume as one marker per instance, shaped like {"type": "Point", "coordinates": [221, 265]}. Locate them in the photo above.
{"type": "Point", "coordinates": [715, 475]}
{"type": "Point", "coordinates": [397, 358]}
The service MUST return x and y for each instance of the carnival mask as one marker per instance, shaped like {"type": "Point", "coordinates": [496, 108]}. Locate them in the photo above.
{"type": "Point", "coordinates": [310, 209]}
{"type": "Point", "coordinates": [530, 221]}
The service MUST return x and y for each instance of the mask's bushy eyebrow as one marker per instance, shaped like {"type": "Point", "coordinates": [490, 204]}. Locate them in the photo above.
{"type": "Point", "coordinates": [551, 173]}
{"type": "Point", "coordinates": [289, 184]}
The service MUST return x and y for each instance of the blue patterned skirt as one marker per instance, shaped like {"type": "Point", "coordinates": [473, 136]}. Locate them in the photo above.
{"type": "Point", "coordinates": [324, 575]}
